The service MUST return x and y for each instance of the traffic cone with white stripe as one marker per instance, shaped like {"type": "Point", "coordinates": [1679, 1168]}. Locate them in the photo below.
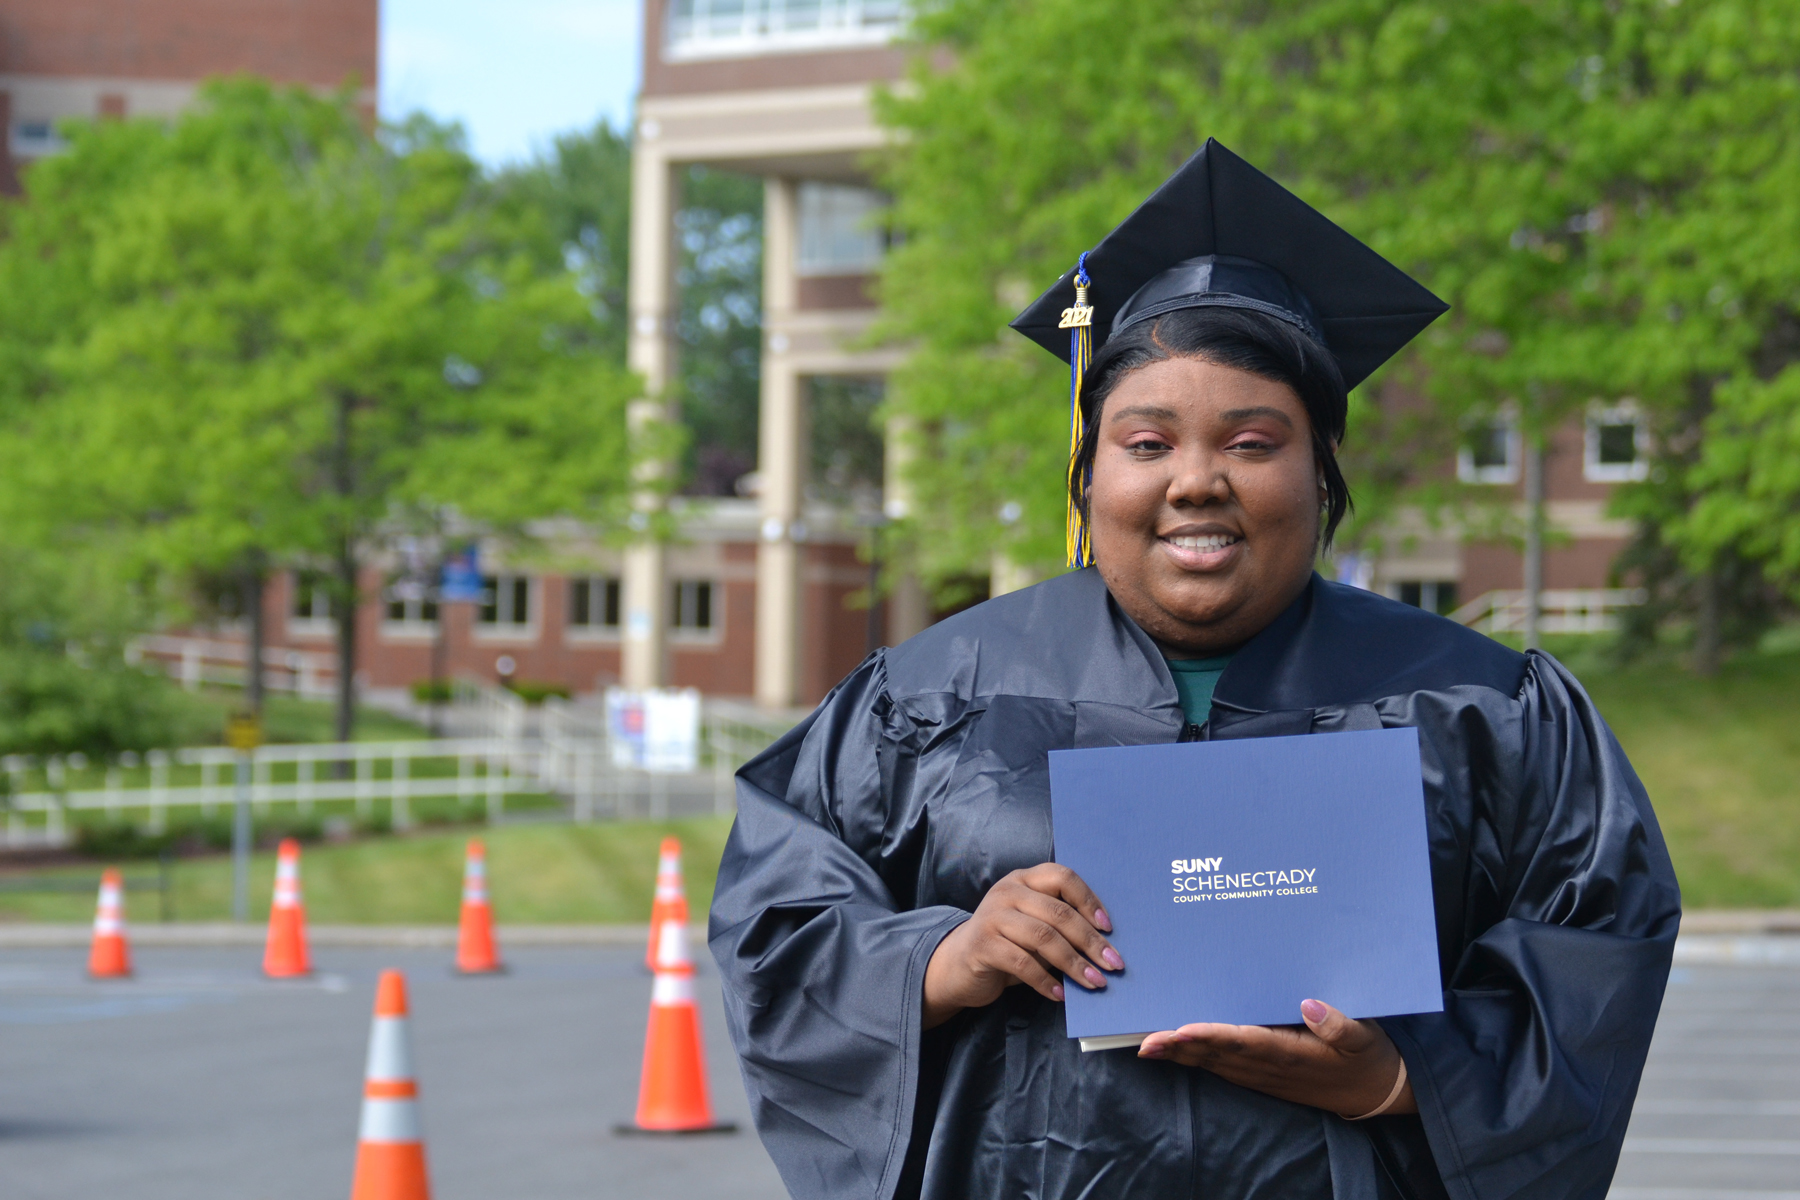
{"type": "Point", "coordinates": [671, 897]}
{"type": "Point", "coordinates": [285, 955]}
{"type": "Point", "coordinates": [672, 1091]}
{"type": "Point", "coordinates": [475, 950]}
{"type": "Point", "coordinates": [390, 1149]}
{"type": "Point", "coordinates": [110, 957]}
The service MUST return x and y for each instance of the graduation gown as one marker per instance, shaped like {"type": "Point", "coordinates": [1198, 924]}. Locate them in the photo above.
{"type": "Point", "coordinates": [877, 825]}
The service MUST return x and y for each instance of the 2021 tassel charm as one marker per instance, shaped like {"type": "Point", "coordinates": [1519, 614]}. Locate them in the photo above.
{"type": "Point", "coordinates": [1078, 318]}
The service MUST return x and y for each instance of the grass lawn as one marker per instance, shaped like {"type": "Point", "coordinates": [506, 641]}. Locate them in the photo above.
{"type": "Point", "coordinates": [287, 719]}
{"type": "Point", "coordinates": [536, 873]}
{"type": "Point", "coordinates": [1721, 760]}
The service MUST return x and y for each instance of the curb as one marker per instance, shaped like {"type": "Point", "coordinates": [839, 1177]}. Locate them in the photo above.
{"type": "Point", "coordinates": [225, 933]}
{"type": "Point", "coordinates": [1708, 950]}
{"type": "Point", "coordinates": [1741, 921]}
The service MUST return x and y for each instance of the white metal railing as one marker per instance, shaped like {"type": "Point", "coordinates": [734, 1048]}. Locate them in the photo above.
{"type": "Point", "coordinates": [569, 755]}
{"type": "Point", "coordinates": [471, 770]}
{"type": "Point", "coordinates": [195, 661]}
{"type": "Point", "coordinates": [1560, 610]}
{"type": "Point", "coordinates": [727, 28]}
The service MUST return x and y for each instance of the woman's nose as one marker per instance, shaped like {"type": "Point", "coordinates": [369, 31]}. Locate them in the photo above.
{"type": "Point", "coordinates": [1198, 481]}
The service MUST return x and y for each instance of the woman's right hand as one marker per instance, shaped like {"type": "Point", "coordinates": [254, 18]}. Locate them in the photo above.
{"type": "Point", "coordinates": [1031, 924]}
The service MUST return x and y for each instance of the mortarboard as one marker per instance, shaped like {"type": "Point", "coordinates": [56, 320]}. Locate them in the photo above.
{"type": "Point", "coordinates": [1220, 232]}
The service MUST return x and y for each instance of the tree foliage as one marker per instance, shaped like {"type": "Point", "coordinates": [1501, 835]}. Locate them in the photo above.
{"type": "Point", "coordinates": [1603, 189]}
{"type": "Point", "coordinates": [718, 325]}
{"type": "Point", "coordinates": [264, 332]}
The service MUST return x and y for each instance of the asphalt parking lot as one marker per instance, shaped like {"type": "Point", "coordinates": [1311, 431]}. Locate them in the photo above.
{"type": "Point", "coordinates": [200, 1081]}
{"type": "Point", "coordinates": [1718, 1116]}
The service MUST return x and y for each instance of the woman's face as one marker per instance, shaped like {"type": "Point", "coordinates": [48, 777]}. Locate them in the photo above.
{"type": "Point", "coordinates": [1204, 502]}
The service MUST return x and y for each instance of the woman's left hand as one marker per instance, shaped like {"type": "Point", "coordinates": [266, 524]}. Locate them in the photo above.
{"type": "Point", "coordinates": [1347, 1067]}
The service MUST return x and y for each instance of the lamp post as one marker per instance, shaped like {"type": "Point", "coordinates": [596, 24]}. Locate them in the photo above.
{"type": "Point", "coordinates": [243, 733]}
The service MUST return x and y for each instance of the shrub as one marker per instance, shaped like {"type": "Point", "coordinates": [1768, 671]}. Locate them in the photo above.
{"type": "Point", "coordinates": [269, 831]}
{"type": "Point", "coordinates": [119, 839]}
{"type": "Point", "coordinates": [536, 691]}
{"type": "Point", "coordinates": [52, 704]}
{"type": "Point", "coordinates": [433, 691]}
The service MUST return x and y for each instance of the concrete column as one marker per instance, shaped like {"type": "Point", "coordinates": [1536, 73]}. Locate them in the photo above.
{"type": "Point", "coordinates": [1534, 538]}
{"type": "Point", "coordinates": [650, 351]}
{"type": "Point", "coordinates": [909, 608]}
{"type": "Point", "coordinates": [782, 455]}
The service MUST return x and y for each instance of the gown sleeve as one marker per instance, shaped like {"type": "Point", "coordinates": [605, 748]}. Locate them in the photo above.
{"type": "Point", "coordinates": [1525, 1081]}
{"type": "Point", "coordinates": [823, 969]}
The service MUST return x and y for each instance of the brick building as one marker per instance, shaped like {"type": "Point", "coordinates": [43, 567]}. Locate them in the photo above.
{"type": "Point", "coordinates": [1584, 461]}
{"type": "Point", "coordinates": [114, 58]}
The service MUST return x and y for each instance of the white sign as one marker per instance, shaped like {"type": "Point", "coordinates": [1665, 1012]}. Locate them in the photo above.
{"type": "Point", "coordinates": [655, 730]}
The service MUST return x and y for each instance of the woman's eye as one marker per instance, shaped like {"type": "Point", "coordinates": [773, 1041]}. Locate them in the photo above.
{"type": "Point", "coordinates": [1250, 443]}
{"type": "Point", "coordinates": [1147, 444]}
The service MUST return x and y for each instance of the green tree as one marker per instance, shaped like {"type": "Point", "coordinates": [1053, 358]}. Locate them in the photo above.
{"type": "Point", "coordinates": [718, 325]}
{"type": "Point", "coordinates": [581, 188]}
{"type": "Point", "coordinates": [580, 191]}
{"type": "Point", "coordinates": [280, 332]}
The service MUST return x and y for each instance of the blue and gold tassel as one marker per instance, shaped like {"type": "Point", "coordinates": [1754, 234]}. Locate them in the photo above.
{"type": "Point", "coordinates": [1079, 321]}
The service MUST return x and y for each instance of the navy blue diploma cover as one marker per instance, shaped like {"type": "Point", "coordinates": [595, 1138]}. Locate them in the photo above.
{"type": "Point", "coordinates": [1245, 876]}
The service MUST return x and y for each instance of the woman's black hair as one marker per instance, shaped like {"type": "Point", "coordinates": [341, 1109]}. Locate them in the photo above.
{"type": "Point", "coordinates": [1244, 340]}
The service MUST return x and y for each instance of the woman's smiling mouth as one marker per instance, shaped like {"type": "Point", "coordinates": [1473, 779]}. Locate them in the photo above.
{"type": "Point", "coordinates": [1204, 541]}
{"type": "Point", "coordinates": [1202, 551]}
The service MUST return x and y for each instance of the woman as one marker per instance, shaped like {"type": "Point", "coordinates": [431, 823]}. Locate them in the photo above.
{"type": "Point", "coordinates": [895, 937]}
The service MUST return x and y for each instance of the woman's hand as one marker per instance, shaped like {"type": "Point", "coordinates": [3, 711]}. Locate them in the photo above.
{"type": "Point", "coordinates": [1030, 925]}
{"type": "Point", "coordinates": [1348, 1067]}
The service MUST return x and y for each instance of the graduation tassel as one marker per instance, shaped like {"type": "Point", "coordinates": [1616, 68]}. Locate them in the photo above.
{"type": "Point", "coordinates": [1079, 321]}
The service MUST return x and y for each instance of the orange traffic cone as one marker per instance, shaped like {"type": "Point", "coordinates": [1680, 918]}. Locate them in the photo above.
{"type": "Point", "coordinates": [390, 1150]}
{"type": "Point", "coordinates": [111, 956]}
{"type": "Point", "coordinates": [671, 898]}
{"type": "Point", "coordinates": [475, 950]}
{"type": "Point", "coordinates": [285, 955]}
{"type": "Point", "coordinates": [672, 1092]}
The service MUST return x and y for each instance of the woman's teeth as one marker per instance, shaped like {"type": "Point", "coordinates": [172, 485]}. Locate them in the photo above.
{"type": "Point", "coordinates": [1211, 541]}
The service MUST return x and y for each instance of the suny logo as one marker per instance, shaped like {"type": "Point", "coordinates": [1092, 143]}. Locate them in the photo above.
{"type": "Point", "coordinates": [1188, 866]}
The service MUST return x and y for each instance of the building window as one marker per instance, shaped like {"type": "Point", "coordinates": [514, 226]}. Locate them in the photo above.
{"type": "Point", "coordinates": [693, 607]}
{"type": "Point", "coordinates": [1490, 452]}
{"type": "Point", "coordinates": [594, 604]}
{"type": "Point", "coordinates": [406, 606]}
{"type": "Point", "coordinates": [1433, 595]}
{"type": "Point", "coordinates": [1616, 449]}
{"type": "Point", "coordinates": [310, 602]}
{"type": "Point", "coordinates": [732, 28]}
{"type": "Point", "coordinates": [506, 601]}
{"type": "Point", "coordinates": [840, 230]}
{"type": "Point", "coordinates": [34, 139]}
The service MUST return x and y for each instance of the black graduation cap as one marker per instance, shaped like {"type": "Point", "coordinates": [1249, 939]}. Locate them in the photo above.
{"type": "Point", "coordinates": [1220, 232]}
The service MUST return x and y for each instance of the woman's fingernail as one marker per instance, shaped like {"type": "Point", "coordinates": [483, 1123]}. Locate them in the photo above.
{"type": "Point", "coordinates": [1094, 977]}
{"type": "Point", "coordinates": [1056, 990]}
{"type": "Point", "coordinates": [1152, 1052]}
{"type": "Point", "coordinates": [1102, 922]}
{"type": "Point", "coordinates": [1111, 958]}
{"type": "Point", "coordinates": [1312, 1010]}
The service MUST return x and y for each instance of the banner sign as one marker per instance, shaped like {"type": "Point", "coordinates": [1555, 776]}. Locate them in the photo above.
{"type": "Point", "coordinates": [656, 730]}
{"type": "Point", "coordinates": [461, 580]}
